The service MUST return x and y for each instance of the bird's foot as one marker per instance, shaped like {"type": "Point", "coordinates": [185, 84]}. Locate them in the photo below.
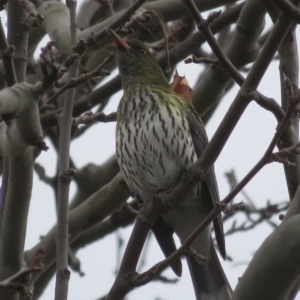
{"type": "Point", "coordinates": [161, 195]}
{"type": "Point", "coordinates": [161, 199]}
{"type": "Point", "coordinates": [186, 173]}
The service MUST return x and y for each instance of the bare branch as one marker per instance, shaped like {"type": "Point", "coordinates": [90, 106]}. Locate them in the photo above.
{"type": "Point", "coordinates": [199, 60]}
{"type": "Point", "coordinates": [203, 26]}
{"type": "Point", "coordinates": [35, 18]}
{"type": "Point", "coordinates": [51, 69]}
{"type": "Point", "coordinates": [282, 155]}
{"type": "Point", "coordinates": [72, 83]}
{"type": "Point", "coordinates": [7, 58]}
{"type": "Point", "coordinates": [96, 38]}
{"type": "Point", "coordinates": [17, 281]}
{"type": "Point", "coordinates": [90, 118]}
{"type": "Point", "coordinates": [42, 175]}
{"type": "Point", "coordinates": [289, 9]}
{"type": "Point", "coordinates": [65, 173]}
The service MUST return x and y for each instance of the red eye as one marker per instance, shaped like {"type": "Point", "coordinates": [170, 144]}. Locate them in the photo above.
{"type": "Point", "coordinates": [143, 51]}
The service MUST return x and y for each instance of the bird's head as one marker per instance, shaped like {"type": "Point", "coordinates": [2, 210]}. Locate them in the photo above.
{"type": "Point", "coordinates": [136, 63]}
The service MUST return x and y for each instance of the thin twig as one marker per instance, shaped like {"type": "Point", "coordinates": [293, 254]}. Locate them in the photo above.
{"type": "Point", "coordinates": [90, 118]}
{"type": "Point", "coordinates": [199, 60]}
{"type": "Point", "coordinates": [282, 155]}
{"type": "Point", "coordinates": [65, 173]}
{"type": "Point", "coordinates": [74, 263]}
{"type": "Point", "coordinates": [264, 214]}
{"type": "Point", "coordinates": [96, 38]}
{"type": "Point", "coordinates": [233, 182]}
{"type": "Point", "coordinates": [203, 26]}
{"type": "Point", "coordinates": [17, 281]}
{"type": "Point", "coordinates": [42, 175]}
{"type": "Point", "coordinates": [51, 69]}
{"type": "Point", "coordinates": [73, 82]}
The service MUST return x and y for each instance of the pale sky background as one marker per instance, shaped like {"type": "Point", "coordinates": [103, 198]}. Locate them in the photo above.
{"type": "Point", "coordinates": [245, 147]}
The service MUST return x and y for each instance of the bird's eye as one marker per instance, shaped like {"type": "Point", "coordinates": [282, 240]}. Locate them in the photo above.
{"type": "Point", "coordinates": [143, 51]}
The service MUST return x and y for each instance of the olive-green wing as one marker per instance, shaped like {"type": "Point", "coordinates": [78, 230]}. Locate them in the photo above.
{"type": "Point", "coordinates": [200, 141]}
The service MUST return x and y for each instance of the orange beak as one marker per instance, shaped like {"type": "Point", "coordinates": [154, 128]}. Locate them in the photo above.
{"type": "Point", "coordinates": [120, 43]}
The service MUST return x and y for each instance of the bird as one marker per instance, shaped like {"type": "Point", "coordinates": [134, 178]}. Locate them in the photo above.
{"type": "Point", "coordinates": [159, 135]}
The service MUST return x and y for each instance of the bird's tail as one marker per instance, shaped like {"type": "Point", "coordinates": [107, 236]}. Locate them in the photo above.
{"type": "Point", "coordinates": [209, 280]}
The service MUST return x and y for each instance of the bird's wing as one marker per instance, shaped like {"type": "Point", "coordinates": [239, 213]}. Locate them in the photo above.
{"type": "Point", "coordinates": [200, 141]}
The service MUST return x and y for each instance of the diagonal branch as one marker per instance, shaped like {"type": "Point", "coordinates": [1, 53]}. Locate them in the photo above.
{"type": "Point", "coordinates": [289, 9]}
{"type": "Point", "coordinates": [204, 26]}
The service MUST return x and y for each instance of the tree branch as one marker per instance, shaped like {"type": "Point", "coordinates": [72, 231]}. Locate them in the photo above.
{"type": "Point", "coordinates": [7, 53]}
{"type": "Point", "coordinates": [65, 174]}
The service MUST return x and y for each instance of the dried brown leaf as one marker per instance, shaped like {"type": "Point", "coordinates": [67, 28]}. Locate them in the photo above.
{"type": "Point", "coordinates": [181, 86]}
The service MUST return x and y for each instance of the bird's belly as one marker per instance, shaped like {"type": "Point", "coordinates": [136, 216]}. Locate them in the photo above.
{"type": "Point", "coordinates": [151, 162]}
{"type": "Point", "coordinates": [153, 153]}
{"type": "Point", "coordinates": [153, 148]}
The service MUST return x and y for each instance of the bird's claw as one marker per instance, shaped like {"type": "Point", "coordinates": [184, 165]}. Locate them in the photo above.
{"type": "Point", "coordinates": [160, 197]}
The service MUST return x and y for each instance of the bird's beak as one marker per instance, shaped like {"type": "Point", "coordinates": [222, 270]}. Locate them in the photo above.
{"type": "Point", "coordinates": [120, 43]}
